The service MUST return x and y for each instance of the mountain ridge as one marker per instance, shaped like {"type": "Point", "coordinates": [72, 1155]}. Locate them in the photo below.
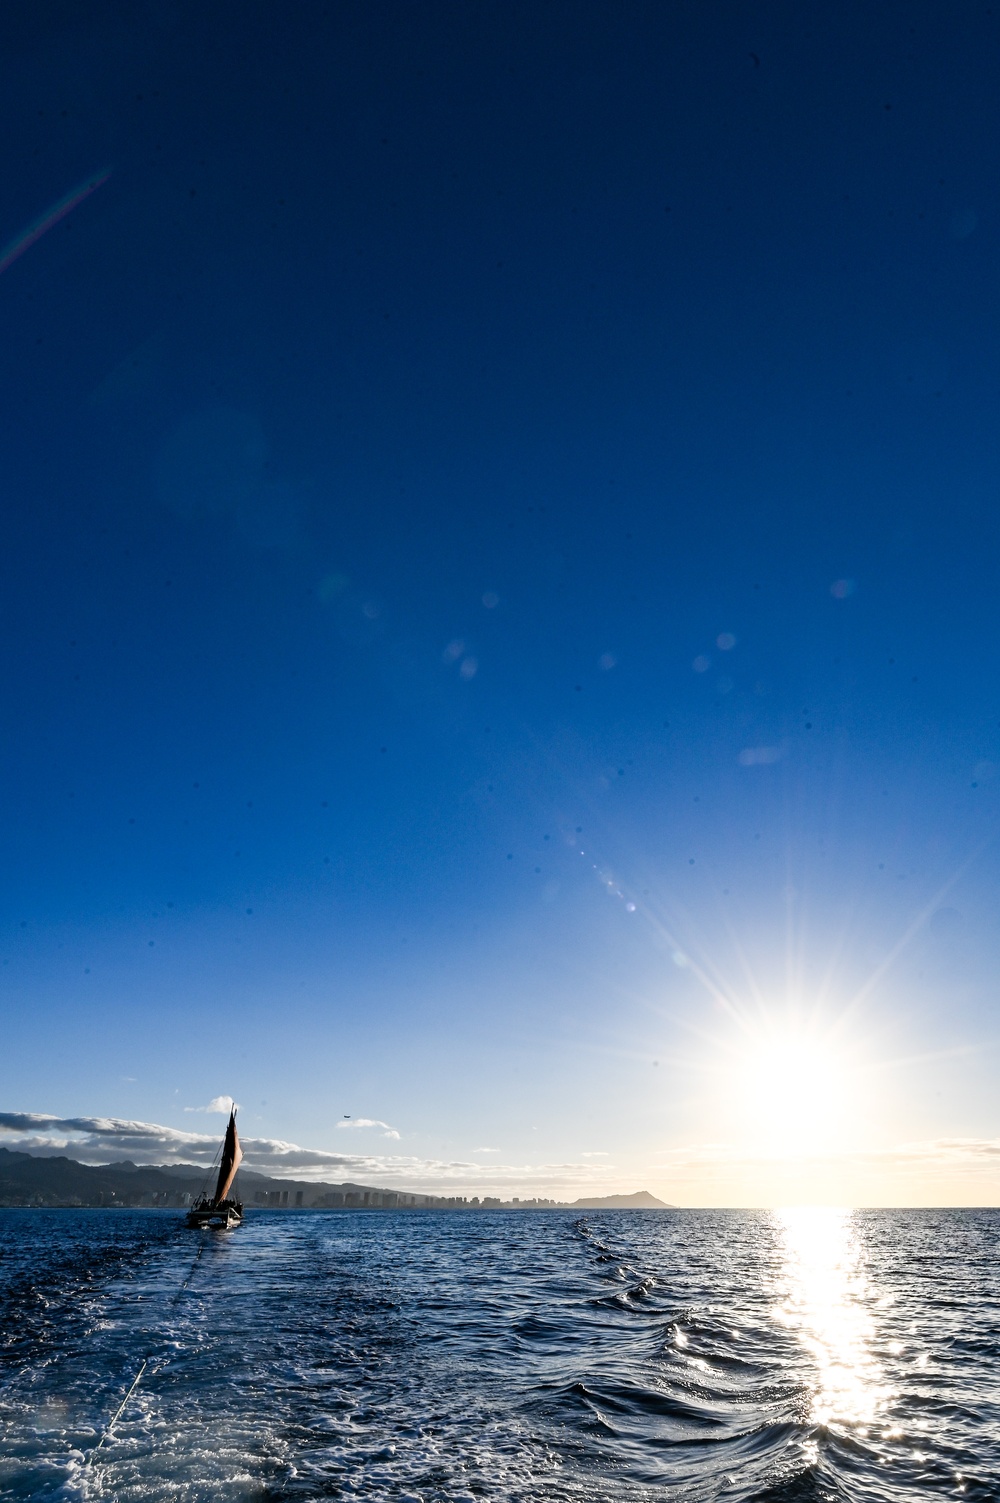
{"type": "Point", "coordinates": [43, 1180]}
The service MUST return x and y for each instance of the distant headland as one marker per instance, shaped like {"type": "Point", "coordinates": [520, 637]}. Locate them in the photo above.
{"type": "Point", "coordinates": [28, 1179]}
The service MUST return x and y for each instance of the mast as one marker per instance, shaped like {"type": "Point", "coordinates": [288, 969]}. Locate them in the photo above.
{"type": "Point", "coordinates": [232, 1154]}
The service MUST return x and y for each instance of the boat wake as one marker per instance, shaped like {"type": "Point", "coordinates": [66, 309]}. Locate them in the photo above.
{"type": "Point", "coordinates": [435, 1356]}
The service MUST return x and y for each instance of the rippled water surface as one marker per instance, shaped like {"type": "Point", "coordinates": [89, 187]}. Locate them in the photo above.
{"type": "Point", "coordinates": [426, 1355]}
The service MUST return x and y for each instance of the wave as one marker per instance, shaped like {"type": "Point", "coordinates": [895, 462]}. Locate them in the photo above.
{"type": "Point", "coordinates": [438, 1356]}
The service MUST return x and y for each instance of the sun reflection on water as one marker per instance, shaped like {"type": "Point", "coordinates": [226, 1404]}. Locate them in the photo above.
{"type": "Point", "coordinates": [829, 1303]}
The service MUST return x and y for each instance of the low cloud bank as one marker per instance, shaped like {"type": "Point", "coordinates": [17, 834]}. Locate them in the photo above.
{"type": "Point", "coordinates": [706, 1173]}
{"type": "Point", "coordinates": [101, 1140]}
{"type": "Point", "coordinates": [943, 1152]}
{"type": "Point", "coordinates": [928, 1172]}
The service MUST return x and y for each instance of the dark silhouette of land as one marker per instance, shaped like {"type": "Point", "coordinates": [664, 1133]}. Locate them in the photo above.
{"type": "Point", "coordinates": [640, 1200]}
{"type": "Point", "coordinates": [28, 1179]}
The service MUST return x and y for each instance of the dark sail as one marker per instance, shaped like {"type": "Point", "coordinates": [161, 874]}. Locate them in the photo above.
{"type": "Point", "coordinates": [232, 1153]}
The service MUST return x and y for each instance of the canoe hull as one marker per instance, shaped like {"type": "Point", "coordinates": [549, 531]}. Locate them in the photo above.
{"type": "Point", "coordinates": [221, 1217]}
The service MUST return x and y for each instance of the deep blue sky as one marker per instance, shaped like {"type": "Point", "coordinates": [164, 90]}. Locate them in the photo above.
{"type": "Point", "coordinates": [388, 443]}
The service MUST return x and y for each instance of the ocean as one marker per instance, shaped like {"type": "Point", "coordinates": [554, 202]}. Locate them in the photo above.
{"type": "Point", "coordinates": [688, 1355]}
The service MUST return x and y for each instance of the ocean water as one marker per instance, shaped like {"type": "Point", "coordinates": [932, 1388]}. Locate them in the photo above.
{"type": "Point", "coordinates": [534, 1355]}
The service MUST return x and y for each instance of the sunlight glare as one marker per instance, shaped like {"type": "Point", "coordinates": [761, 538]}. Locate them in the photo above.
{"type": "Point", "coordinates": [793, 1092]}
{"type": "Point", "coordinates": [827, 1302]}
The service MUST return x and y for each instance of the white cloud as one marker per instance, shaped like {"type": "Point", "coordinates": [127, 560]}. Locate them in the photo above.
{"type": "Point", "coordinates": [100, 1140]}
{"type": "Point", "coordinates": [388, 1132]}
{"type": "Point", "coordinates": [597, 1153]}
{"type": "Point", "coordinates": [223, 1104]}
{"type": "Point", "coordinates": [486, 1150]}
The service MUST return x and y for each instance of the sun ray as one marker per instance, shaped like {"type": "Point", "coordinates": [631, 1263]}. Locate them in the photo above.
{"type": "Point", "coordinates": [914, 927]}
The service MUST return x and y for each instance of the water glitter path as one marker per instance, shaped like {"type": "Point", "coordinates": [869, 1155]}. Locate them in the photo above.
{"type": "Point", "coordinates": [691, 1355]}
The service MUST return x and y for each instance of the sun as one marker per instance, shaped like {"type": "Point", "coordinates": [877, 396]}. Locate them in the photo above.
{"type": "Point", "coordinates": [792, 1089]}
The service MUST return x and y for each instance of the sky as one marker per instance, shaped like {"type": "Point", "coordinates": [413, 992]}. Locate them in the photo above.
{"type": "Point", "coordinates": [498, 593]}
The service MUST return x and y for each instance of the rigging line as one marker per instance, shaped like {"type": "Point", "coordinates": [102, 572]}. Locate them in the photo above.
{"type": "Point", "coordinates": [191, 1272]}
{"type": "Point", "coordinates": [118, 1413]}
{"type": "Point", "coordinates": [22, 1372]}
{"type": "Point", "coordinates": [145, 1362]}
{"type": "Point", "coordinates": [211, 1168]}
